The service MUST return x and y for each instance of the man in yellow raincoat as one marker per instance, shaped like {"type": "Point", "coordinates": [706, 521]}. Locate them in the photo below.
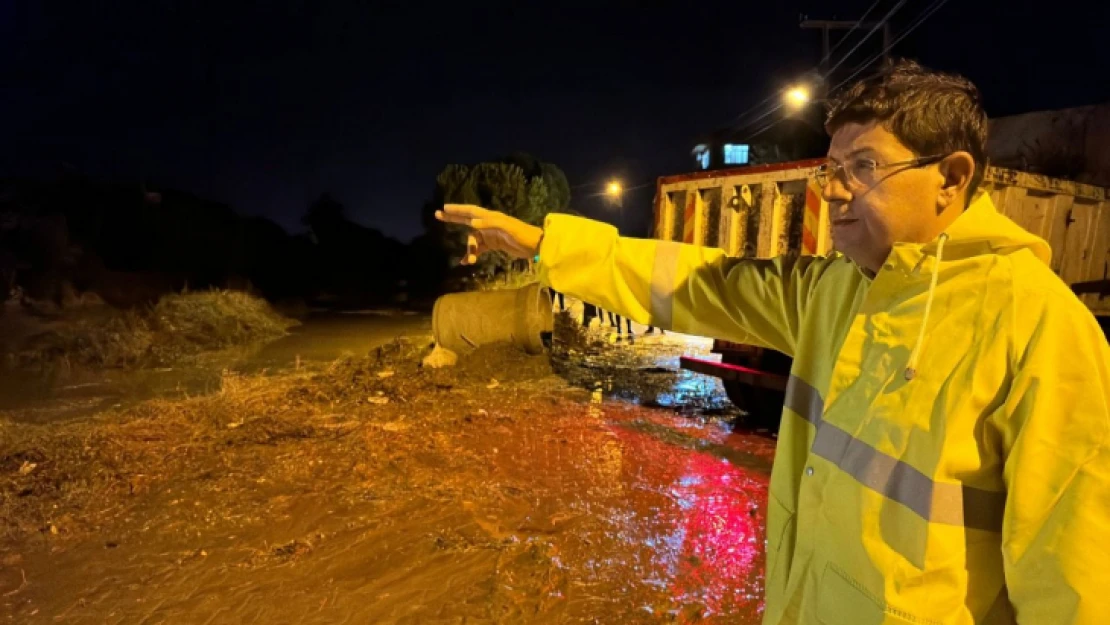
{"type": "Point", "coordinates": [943, 453]}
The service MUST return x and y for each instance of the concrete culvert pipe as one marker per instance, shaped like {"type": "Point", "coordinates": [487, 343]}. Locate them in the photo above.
{"type": "Point", "coordinates": [462, 322]}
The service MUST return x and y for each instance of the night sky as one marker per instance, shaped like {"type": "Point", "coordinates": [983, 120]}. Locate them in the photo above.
{"type": "Point", "coordinates": [266, 105]}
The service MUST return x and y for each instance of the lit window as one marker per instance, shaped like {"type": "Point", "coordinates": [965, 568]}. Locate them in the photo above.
{"type": "Point", "coordinates": [701, 154]}
{"type": "Point", "coordinates": [736, 154]}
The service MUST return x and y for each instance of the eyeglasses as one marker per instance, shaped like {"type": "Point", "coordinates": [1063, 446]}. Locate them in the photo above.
{"type": "Point", "coordinates": [861, 171]}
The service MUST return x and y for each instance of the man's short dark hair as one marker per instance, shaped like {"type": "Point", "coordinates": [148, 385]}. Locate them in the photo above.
{"type": "Point", "coordinates": [930, 112]}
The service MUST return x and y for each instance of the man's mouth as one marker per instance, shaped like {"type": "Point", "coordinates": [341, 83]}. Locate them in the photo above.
{"type": "Point", "coordinates": [844, 221]}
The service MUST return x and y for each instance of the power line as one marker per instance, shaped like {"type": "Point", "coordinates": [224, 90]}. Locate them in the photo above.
{"type": "Point", "coordinates": [779, 106]}
{"type": "Point", "coordinates": [874, 28]}
{"type": "Point", "coordinates": [937, 4]}
{"type": "Point", "coordinates": [933, 8]}
{"type": "Point", "coordinates": [850, 31]}
{"type": "Point", "coordinates": [772, 111]}
{"type": "Point", "coordinates": [769, 125]}
{"type": "Point", "coordinates": [737, 119]}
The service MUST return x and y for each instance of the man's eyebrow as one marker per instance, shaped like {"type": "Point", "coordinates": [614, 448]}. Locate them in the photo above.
{"type": "Point", "coordinates": [854, 153]}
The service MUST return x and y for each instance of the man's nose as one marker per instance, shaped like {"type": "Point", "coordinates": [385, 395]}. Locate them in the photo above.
{"type": "Point", "coordinates": [836, 191]}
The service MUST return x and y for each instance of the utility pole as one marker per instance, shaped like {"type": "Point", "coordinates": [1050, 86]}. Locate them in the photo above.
{"type": "Point", "coordinates": [826, 25]}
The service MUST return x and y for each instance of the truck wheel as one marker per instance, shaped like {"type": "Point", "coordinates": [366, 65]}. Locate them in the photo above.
{"type": "Point", "coordinates": [762, 407]}
{"type": "Point", "coordinates": [741, 395]}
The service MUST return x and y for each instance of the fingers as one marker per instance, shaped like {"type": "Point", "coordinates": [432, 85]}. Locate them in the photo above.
{"type": "Point", "coordinates": [452, 219]}
{"type": "Point", "coordinates": [475, 247]}
{"type": "Point", "coordinates": [465, 210]}
{"type": "Point", "coordinates": [472, 252]}
{"type": "Point", "coordinates": [473, 222]}
{"type": "Point", "coordinates": [469, 215]}
{"type": "Point", "coordinates": [466, 214]}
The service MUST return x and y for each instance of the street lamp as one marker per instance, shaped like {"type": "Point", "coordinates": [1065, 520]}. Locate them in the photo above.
{"type": "Point", "coordinates": [797, 97]}
{"type": "Point", "coordinates": [614, 191]}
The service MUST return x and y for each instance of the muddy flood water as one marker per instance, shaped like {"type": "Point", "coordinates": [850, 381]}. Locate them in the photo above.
{"type": "Point", "coordinates": [64, 394]}
{"type": "Point", "coordinates": [601, 486]}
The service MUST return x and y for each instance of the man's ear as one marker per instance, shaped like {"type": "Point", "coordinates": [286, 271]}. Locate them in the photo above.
{"type": "Point", "coordinates": [957, 169]}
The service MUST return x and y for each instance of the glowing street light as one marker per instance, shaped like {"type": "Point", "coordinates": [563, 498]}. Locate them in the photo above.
{"type": "Point", "coordinates": [797, 97]}
{"type": "Point", "coordinates": [614, 197]}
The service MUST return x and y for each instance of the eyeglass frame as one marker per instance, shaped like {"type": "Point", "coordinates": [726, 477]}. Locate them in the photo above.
{"type": "Point", "coordinates": [825, 173]}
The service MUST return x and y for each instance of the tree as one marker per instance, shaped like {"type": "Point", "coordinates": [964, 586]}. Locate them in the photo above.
{"type": "Point", "coordinates": [354, 261]}
{"type": "Point", "coordinates": [530, 165]}
{"type": "Point", "coordinates": [324, 215]}
{"type": "Point", "coordinates": [501, 188]}
{"type": "Point", "coordinates": [518, 185]}
{"type": "Point", "coordinates": [504, 186]}
{"type": "Point", "coordinates": [555, 181]}
{"type": "Point", "coordinates": [558, 189]}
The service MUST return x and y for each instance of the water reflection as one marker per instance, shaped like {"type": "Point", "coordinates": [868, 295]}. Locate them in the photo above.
{"type": "Point", "coordinates": [703, 538]}
{"type": "Point", "coordinates": [65, 393]}
{"type": "Point", "coordinates": [720, 559]}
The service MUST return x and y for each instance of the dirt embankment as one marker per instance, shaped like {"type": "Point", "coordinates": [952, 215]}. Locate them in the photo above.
{"type": "Point", "coordinates": [178, 326]}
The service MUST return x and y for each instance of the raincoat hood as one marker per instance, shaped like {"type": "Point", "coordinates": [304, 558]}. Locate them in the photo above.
{"type": "Point", "coordinates": [981, 229]}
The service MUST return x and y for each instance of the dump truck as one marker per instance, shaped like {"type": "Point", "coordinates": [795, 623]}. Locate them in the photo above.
{"type": "Point", "coordinates": [769, 210]}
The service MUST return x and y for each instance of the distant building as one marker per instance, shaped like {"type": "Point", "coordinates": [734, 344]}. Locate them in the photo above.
{"type": "Point", "coordinates": [709, 155]}
{"type": "Point", "coordinates": [1067, 143]}
{"type": "Point", "coordinates": [788, 139]}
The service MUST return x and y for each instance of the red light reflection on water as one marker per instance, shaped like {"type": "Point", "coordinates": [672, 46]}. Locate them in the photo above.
{"type": "Point", "coordinates": [707, 540]}
{"type": "Point", "coordinates": [721, 562]}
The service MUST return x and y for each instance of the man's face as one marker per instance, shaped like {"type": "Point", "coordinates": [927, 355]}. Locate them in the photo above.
{"type": "Point", "coordinates": [873, 208]}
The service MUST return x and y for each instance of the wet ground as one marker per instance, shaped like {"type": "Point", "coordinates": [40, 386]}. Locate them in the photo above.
{"type": "Point", "coordinates": [607, 488]}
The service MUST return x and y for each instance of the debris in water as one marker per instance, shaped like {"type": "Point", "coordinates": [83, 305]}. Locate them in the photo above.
{"type": "Point", "coordinates": [27, 467]}
{"type": "Point", "coordinates": [74, 387]}
{"type": "Point", "coordinates": [440, 357]}
{"type": "Point", "coordinates": [378, 400]}
{"type": "Point", "coordinates": [388, 373]}
{"type": "Point", "coordinates": [493, 383]}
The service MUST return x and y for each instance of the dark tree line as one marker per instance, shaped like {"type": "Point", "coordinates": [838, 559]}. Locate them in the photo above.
{"type": "Point", "coordinates": [130, 245]}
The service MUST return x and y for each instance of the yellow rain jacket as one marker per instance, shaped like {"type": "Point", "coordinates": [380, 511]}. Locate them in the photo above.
{"type": "Point", "coordinates": [943, 454]}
